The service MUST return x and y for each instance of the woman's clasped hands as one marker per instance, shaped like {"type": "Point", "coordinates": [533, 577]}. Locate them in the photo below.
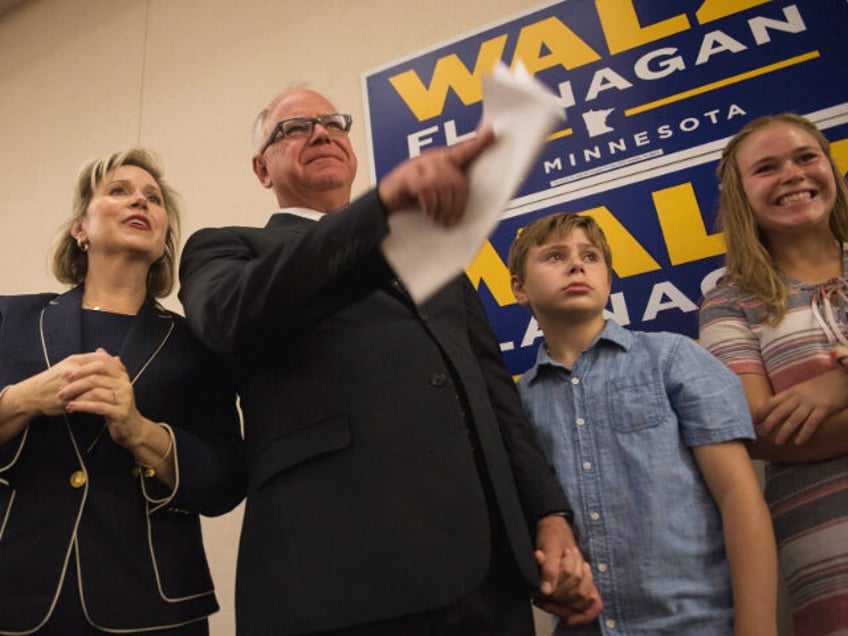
{"type": "Point", "coordinates": [98, 383]}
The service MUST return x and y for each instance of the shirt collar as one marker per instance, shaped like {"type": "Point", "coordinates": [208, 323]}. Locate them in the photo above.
{"type": "Point", "coordinates": [612, 332]}
{"type": "Point", "coordinates": [306, 213]}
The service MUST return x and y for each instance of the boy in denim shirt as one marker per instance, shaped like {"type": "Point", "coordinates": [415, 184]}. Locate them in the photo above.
{"type": "Point", "coordinates": [646, 433]}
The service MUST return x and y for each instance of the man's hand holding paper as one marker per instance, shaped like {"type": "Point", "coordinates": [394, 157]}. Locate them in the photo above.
{"type": "Point", "coordinates": [435, 183]}
{"type": "Point", "coordinates": [428, 250]}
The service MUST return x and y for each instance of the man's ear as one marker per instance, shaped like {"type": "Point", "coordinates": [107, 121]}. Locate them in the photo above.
{"type": "Point", "coordinates": [518, 291]}
{"type": "Point", "coordinates": [261, 171]}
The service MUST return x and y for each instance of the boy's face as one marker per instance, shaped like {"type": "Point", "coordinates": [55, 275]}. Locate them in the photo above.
{"type": "Point", "coordinates": [565, 278]}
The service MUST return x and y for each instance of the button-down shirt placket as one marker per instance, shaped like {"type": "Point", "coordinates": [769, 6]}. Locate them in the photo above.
{"type": "Point", "coordinates": [589, 471]}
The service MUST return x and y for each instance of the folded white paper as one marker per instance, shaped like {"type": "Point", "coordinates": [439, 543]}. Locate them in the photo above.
{"type": "Point", "coordinates": [522, 112]}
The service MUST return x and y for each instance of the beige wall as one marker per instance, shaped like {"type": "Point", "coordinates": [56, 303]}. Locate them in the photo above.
{"type": "Point", "coordinates": [84, 77]}
{"type": "Point", "coordinates": [79, 78]}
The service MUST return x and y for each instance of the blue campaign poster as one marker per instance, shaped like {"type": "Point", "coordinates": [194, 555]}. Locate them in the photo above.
{"type": "Point", "coordinates": [651, 90]}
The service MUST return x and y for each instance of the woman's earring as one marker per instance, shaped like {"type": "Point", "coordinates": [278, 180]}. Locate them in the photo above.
{"type": "Point", "coordinates": [83, 245]}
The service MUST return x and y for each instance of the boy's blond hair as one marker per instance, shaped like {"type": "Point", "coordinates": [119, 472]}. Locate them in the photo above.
{"type": "Point", "coordinates": [556, 225]}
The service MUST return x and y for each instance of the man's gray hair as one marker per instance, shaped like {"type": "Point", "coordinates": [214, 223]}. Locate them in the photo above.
{"type": "Point", "coordinates": [259, 133]}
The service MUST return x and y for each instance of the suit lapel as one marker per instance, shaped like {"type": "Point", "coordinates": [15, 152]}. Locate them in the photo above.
{"type": "Point", "coordinates": [61, 332]}
{"type": "Point", "coordinates": [147, 335]}
{"type": "Point", "coordinates": [61, 336]}
{"type": "Point", "coordinates": [61, 327]}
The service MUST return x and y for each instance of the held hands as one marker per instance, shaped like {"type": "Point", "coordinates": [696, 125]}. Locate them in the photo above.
{"type": "Point", "coordinates": [436, 181]}
{"type": "Point", "coordinates": [94, 383]}
{"type": "Point", "coordinates": [567, 589]}
{"type": "Point", "coordinates": [53, 391]}
{"type": "Point", "coordinates": [39, 394]}
{"type": "Point", "coordinates": [800, 409]}
{"type": "Point", "coordinates": [98, 383]}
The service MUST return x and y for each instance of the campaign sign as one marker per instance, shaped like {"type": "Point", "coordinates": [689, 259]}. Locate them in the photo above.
{"type": "Point", "coordinates": [651, 91]}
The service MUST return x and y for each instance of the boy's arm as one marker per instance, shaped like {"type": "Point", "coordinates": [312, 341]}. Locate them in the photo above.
{"type": "Point", "coordinates": [748, 535]}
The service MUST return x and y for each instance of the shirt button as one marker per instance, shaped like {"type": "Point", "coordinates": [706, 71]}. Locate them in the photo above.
{"type": "Point", "coordinates": [594, 516]}
{"type": "Point", "coordinates": [610, 623]}
{"type": "Point", "coordinates": [587, 465]}
{"type": "Point", "coordinates": [575, 380]}
{"type": "Point", "coordinates": [77, 479]}
{"type": "Point", "coordinates": [602, 567]}
{"type": "Point", "coordinates": [580, 421]}
{"type": "Point", "coordinates": [438, 379]}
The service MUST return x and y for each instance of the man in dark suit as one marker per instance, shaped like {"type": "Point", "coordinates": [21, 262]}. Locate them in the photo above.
{"type": "Point", "coordinates": [394, 481]}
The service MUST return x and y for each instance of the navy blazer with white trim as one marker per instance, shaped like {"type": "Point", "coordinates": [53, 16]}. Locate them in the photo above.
{"type": "Point", "coordinates": [138, 544]}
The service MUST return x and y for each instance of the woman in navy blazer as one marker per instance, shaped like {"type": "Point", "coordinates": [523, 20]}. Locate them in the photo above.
{"type": "Point", "coordinates": [117, 428]}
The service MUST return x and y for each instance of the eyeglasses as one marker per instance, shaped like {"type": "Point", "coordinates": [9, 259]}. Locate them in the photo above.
{"type": "Point", "coordinates": [302, 127]}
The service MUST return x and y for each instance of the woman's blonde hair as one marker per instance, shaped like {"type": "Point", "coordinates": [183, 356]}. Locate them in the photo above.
{"type": "Point", "coordinates": [70, 263]}
{"type": "Point", "coordinates": [749, 262]}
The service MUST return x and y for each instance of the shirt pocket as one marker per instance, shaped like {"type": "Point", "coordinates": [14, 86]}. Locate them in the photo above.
{"type": "Point", "coordinates": [634, 404]}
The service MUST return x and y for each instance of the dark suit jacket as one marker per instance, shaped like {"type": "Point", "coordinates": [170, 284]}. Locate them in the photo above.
{"type": "Point", "coordinates": [361, 410]}
{"type": "Point", "coordinates": [138, 544]}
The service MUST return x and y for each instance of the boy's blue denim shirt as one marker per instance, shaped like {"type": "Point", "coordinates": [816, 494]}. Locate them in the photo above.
{"type": "Point", "coordinates": [618, 429]}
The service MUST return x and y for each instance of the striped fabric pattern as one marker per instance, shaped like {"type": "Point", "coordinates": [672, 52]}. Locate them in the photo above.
{"type": "Point", "coordinates": [793, 351]}
{"type": "Point", "coordinates": [808, 502]}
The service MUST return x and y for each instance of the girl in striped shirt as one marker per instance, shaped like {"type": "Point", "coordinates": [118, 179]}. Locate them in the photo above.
{"type": "Point", "coordinates": [774, 319]}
